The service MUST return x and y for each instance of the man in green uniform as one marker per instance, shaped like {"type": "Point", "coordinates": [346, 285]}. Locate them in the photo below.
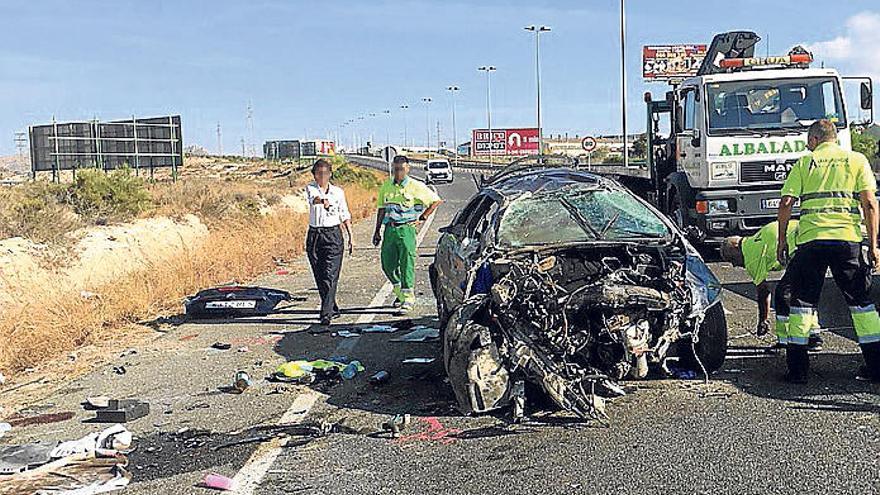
{"type": "Point", "coordinates": [831, 183]}
{"type": "Point", "coordinates": [757, 254]}
{"type": "Point", "coordinates": [403, 202]}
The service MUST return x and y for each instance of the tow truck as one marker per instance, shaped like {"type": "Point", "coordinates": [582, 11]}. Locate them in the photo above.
{"type": "Point", "coordinates": [736, 128]}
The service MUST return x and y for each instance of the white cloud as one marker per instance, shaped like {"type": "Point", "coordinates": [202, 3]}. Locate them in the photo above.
{"type": "Point", "coordinates": [854, 52]}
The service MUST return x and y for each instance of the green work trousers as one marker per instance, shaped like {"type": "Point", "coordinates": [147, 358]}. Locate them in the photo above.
{"type": "Point", "coordinates": [399, 259]}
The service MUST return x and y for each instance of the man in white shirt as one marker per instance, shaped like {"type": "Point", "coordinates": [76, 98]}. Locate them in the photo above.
{"type": "Point", "coordinates": [328, 215]}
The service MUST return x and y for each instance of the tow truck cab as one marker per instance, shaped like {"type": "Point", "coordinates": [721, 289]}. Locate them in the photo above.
{"type": "Point", "coordinates": [736, 131]}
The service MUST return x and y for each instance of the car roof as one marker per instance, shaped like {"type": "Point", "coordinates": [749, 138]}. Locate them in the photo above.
{"type": "Point", "coordinates": [535, 179]}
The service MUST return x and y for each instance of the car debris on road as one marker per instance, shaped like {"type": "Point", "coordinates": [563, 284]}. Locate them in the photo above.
{"type": "Point", "coordinates": [93, 464]}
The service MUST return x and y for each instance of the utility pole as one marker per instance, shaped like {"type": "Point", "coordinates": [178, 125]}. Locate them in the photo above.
{"type": "Point", "coordinates": [404, 108]}
{"type": "Point", "coordinates": [488, 69]}
{"type": "Point", "coordinates": [427, 100]}
{"type": "Point", "coordinates": [242, 148]}
{"type": "Point", "coordinates": [452, 90]}
{"type": "Point", "coordinates": [20, 139]}
{"type": "Point", "coordinates": [438, 136]}
{"type": "Point", "coordinates": [623, 79]}
{"type": "Point", "coordinates": [249, 128]}
{"type": "Point", "coordinates": [219, 141]}
{"type": "Point", "coordinates": [538, 30]}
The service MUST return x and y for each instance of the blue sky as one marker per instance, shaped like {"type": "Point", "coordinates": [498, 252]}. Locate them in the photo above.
{"type": "Point", "coordinates": [307, 66]}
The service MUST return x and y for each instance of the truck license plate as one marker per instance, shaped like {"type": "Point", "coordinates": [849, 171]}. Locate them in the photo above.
{"type": "Point", "coordinates": [230, 304]}
{"type": "Point", "coordinates": [770, 204]}
{"type": "Point", "coordinates": [773, 203]}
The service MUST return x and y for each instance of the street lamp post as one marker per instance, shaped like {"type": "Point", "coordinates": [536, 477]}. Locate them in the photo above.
{"type": "Point", "coordinates": [404, 108]}
{"type": "Point", "coordinates": [488, 69]}
{"type": "Point", "coordinates": [538, 30]}
{"type": "Point", "coordinates": [387, 128]}
{"type": "Point", "coordinates": [623, 80]}
{"type": "Point", "coordinates": [452, 90]}
{"type": "Point", "coordinates": [427, 100]}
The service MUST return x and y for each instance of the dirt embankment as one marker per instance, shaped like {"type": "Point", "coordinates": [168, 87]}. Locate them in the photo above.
{"type": "Point", "coordinates": [100, 287]}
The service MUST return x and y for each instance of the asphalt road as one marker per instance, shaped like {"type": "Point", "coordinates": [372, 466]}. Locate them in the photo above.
{"type": "Point", "coordinates": [745, 432]}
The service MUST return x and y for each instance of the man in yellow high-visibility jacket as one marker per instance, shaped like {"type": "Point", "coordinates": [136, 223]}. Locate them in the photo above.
{"type": "Point", "coordinates": [757, 254]}
{"type": "Point", "coordinates": [832, 184]}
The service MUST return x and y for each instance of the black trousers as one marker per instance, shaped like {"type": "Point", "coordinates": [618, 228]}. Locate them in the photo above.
{"type": "Point", "coordinates": [324, 246]}
{"type": "Point", "coordinates": [806, 273]}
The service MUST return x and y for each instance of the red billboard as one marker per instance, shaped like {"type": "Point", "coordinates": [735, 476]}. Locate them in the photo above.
{"type": "Point", "coordinates": [665, 62]}
{"type": "Point", "coordinates": [521, 141]}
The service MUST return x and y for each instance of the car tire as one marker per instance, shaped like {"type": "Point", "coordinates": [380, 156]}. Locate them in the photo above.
{"type": "Point", "coordinates": [443, 312]}
{"type": "Point", "coordinates": [711, 347]}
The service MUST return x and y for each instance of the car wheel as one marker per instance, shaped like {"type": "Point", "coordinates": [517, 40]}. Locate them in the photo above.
{"type": "Point", "coordinates": [442, 310]}
{"type": "Point", "coordinates": [711, 348]}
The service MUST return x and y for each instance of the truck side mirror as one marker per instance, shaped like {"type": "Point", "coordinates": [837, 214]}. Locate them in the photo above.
{"type": "Point", "coordinates": [696, 139]}
{"type": "Point", "coordinates": [867, 96]}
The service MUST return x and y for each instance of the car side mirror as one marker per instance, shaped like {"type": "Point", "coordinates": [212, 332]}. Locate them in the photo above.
{"type": "Point", "coordinates": [867, 96]}
{"type": "Point", "coordinates": [450, 229]}
{"type": "Point", "coordinates": [696, 138]}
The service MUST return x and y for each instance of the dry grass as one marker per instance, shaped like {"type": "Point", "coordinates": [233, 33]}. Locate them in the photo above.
{"type": "Point", "coordinates": [58, 322]}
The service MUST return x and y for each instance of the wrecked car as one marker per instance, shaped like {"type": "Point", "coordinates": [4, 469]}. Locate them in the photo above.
{"type": "Point", "coordinates": [563, 281]}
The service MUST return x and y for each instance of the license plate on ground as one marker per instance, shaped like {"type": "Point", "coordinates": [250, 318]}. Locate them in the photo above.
{"type": "Point", "coordinates": [230, 304]}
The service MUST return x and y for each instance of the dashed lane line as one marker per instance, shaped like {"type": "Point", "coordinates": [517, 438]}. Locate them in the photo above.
{"type": "Point", "coordinates": [254, 470]}
{"type": "Point", "coordinates": [251, 475]}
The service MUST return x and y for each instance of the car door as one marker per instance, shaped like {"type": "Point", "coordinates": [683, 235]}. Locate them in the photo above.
{"type": "Point", "coordinates": [463, 248]}
{"type": "Point", "coordinates": [689, 139]}
{"type": "Point", "coordinates": [446, 259]}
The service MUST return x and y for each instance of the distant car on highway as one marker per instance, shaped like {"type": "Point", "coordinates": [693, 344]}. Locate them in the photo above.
{"type": "Point", "coordinates": [567, 280]}
{"type": "Point", "coordinates": [438, 170]}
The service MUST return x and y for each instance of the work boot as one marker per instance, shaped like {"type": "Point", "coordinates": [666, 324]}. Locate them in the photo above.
{"type": "Point", "coordinates": [798, 363]}
{"type": "Point", "coordinates": [871, 370]}
{"type": "Point", "coordinates": [815, 343]}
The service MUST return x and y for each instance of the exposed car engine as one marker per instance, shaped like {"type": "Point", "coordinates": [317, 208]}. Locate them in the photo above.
{"type": "Point", "coordinates": [574, 321]}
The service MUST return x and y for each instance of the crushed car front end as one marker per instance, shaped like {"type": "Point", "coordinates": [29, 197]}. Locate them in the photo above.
{"type": "Point", "coordinates": [578, 315]}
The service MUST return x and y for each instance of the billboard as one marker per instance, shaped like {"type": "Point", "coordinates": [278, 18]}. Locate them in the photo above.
{"type": "Point", "coordinates": [519, 141]}
{"type": "Point", "coordinates": [281, 149]}
{"type": "Point", "coordinates": [667, 62]}
{"type": "Point", "coordinates": [137, 143]}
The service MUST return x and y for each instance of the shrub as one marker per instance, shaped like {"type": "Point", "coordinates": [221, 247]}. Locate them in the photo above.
{"type": "Point", "coordinates": [37, 211]}
{"type": "Point", "coordinates": [117, 195]}
{"type": "Point", "coordinates": [345, 173]}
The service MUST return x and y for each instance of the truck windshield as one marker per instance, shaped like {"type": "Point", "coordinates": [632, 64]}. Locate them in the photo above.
{"type": "Point", "coordinates": [773, 104]}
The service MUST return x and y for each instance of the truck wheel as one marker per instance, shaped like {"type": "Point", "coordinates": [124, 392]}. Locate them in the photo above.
{"type": "Point", "coordinates": [677, 212]}
{"type": "Point", "coordinates": [712, 345]}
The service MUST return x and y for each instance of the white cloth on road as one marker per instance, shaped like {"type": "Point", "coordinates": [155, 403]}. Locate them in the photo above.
{"type": "Point", "coordinates": [332, 215]}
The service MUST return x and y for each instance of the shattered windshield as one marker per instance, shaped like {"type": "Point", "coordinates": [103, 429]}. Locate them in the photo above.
{"type": "Point", "coordinates": [773, 104]}
{"type": "Point", "coordinates": [575, 216]}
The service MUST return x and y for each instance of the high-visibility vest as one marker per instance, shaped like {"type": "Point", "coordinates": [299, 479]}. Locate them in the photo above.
{"type": "Point", "coordinates": [828, 183]}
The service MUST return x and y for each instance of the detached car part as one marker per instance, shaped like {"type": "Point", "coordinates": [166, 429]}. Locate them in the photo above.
{"type": "Point", "coordinates": [234, 301]}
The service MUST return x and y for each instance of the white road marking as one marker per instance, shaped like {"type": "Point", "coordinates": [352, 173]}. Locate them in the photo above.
{"type": "Point", "coordinates": [254, 470]}
{"type": "Point", "coordinates": [249, 477]}
{"type": "Point", "coordinates": [385, 291]}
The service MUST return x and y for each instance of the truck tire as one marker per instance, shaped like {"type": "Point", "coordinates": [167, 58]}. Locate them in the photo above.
{"type": "Point", "coordinates": [712, 344]}
{"type": "Point", "coordinates": [677, 212]}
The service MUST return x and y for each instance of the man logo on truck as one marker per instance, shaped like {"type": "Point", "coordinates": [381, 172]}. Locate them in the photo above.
{"type": "Point", "coordinates": [779, 170]}
{"type": "Point", "coordinates": [763, 148]}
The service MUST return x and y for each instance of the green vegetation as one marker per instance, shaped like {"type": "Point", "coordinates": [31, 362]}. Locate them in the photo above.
{"type": "Point", "coordinates": [345, 173]}
{"type": "Point", "coordinates": [865, 144]}
{"type": "Point", "coordinates": [117, 195]}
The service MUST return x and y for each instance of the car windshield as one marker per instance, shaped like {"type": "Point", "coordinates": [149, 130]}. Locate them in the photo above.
{"type": "Point", "coordinates": [438, 165]}
{"type": "Point", "coordinates": [773, 104]}
{"type": "Point", "coordinates": [577, 215]}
